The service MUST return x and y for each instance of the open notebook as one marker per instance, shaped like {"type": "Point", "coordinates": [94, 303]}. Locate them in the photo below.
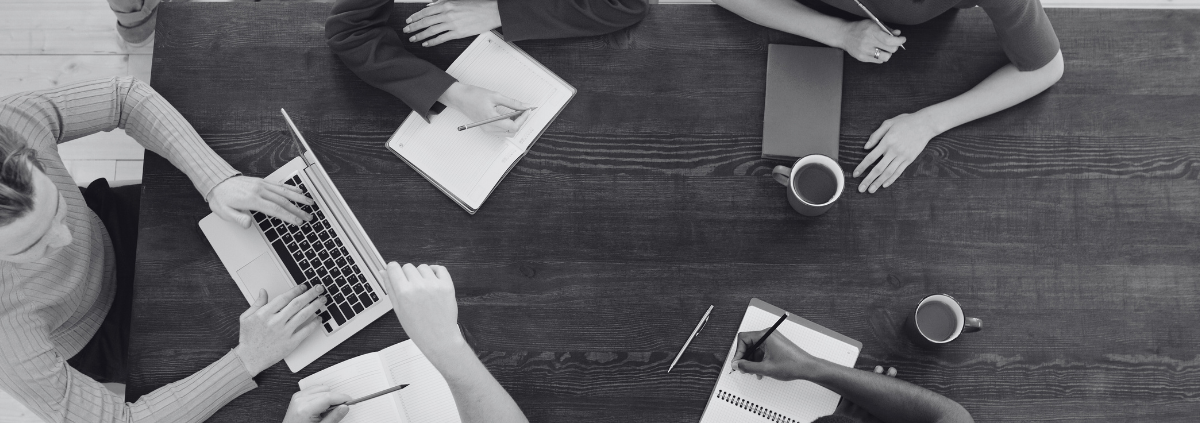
{"type": "Point", "coordinates": [742, 397]}
{"type": "Point", "coordinates": [468, 165]}
{"type": "Point", "coordinates": [427, 399]}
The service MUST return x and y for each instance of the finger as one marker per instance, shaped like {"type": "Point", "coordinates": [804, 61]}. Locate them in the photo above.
{"type": "Point", "coordinates": [884, 56]}
{"type": "Point", "coordinates": [885, 175]}
{"type": "Point", "coordinates": [899, 171]}
{"type": "Point", "coordinates": [258, 303]}
{"type": "Point", "coordinates": [745, 341]}
{"type": "Point", "coordinates": [752, 367]}
{"type": "Point", "coordinates": [509, 102]}
{"type": "Point", "coordinates": [879, 369]}
{"type": "Point", "coordinates": [758, 376]}
{"type": "Point", "coordinates": [307, 330]}
{"type": "Point", "coordinates": [426, 271]}
{"type": "Point", "coordinates": [282, 300]}
{"type": "Point", "coordinates": [273, 209]}
{"type": "Point", "coordinates": [442, 273]}
{"type": "Point", "coordinates": [501, 126]}
{"type": "Point", "coordinates": [878, 134]}
{"type": "Point", "coordinates": [867, 161]}
{"type": "Point", "coordinates": [335, 398]}
{"type": "Point", "coordinates": [292, 210]}
{"type": "Point", "coordinates": [305, 314]}
{"type": "Point", "coordinates": [886, 48]}
{"type": "Point", "coordinates": [336, 415]}
{"type": "Point", "coordinates": [892, 372]}
{"type": "Point", "coordinates": [875, 172]}
{"type": "Point", "coordinates": [236, 216]}
{"type": "Point", "coordinates": [444, 37]}
{"type": "Point", "coordinates": [894, 42]}
{"type": "Point", "coordinates": [395, 275]}
{"type": "Point", "coordinates": [429, 10]}
{"type": "Point", "coordinates": [521, 120]}
{"type": "Point", "coordinates": [410, 272]}
{"type": "Point", "coordinates": [291, 193]}
{"type": "Point", "coordinates": [433, 30]}
{"type": "Point", "coordinates": [299, 302]}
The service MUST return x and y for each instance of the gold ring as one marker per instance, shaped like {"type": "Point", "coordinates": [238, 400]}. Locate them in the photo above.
{"type": "Point", "coordinates": [876, 52]}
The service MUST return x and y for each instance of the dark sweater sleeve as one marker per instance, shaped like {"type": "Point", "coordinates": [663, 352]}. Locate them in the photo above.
{"type": "Point", "coordinates": [1024, 31]}
{"type": "Point", "coordinates": [358, 32]}
{"type": "Point", "coordinates": [545, 19]}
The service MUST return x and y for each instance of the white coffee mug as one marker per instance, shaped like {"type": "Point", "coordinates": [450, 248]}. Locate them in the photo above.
{"type": "Point", "coordinates": [792, 178]}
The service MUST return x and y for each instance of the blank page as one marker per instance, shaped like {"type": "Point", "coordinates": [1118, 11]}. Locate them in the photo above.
{"type": "Point", "coordinates": [358, 377]}
{"type": "Point", "coordinates": [743, 397]}
{"type": "Point", "coordinates": [467, 165]}
{"type": "Point", "coordinates": [427, 399]}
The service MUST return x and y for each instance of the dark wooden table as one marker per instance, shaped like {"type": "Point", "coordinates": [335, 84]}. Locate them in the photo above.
{"type": "Point", "coordinates": [1068, 223]}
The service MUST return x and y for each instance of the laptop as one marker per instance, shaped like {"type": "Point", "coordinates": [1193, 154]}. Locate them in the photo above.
{"type": "Point", "coordinates": [331, 250]}
{"type": "Point", "coordinates": [803, 110]}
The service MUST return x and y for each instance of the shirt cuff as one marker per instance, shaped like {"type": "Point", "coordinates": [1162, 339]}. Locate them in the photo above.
{"type": "Point", "coordinates": [213, 177]}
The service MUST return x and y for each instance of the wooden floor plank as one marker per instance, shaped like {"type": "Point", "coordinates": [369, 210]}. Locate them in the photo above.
{"type": "Point", "coordinates": [19, 73]}
{"type": "Point", "coordinates": [50, 28]}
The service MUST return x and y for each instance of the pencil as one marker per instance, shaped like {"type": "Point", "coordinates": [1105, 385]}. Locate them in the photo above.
{"type": "Point", "coordinates": [377, 394]}
{"type": "Point", "coordinates": [750, 352]}
{"type": "Point", "coordinates": [877, 21]}
{"type": "Point", "coordinates": [508, 115]}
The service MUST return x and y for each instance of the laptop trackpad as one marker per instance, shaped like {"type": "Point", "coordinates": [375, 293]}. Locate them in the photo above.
{"type": "Point", "coordinates": [263, 273]}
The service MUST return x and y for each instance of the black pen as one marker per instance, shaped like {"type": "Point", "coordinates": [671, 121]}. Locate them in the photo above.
{"type": "Point", "coordinates": [750, 352]}
{"type": "Point", "coordinates": [380, 393]}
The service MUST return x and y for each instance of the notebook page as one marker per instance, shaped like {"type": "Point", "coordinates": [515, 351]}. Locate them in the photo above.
{"type": "Point", "coordinates": [469, 164]}
{"type": "Point", "coordinates": [427, 399]}
{"type": "Point", "coordinates": [358, 377]}
{"type": "Point", "coordinates": [792, 401]}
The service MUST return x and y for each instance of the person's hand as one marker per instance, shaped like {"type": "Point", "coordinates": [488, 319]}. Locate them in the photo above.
{"type": "Point", "coordinates": [309, 405]}
{"type": "Point", "coordinates": [861, 39]}
{"type": "Point", "coordinates": [423, 298]}
{"type": "Point", "coordinates": [479, 104]}
{"type": "Point", "coordinates": [777, 358]}
{"type": "Point", "coordinates": [234, 198]}
{"type": "Point", "coordinates": [446, 20]}
{"type": "Point", "coordinates": [271, 330]}
{"type": "Point", "coordinates": [896, 143]}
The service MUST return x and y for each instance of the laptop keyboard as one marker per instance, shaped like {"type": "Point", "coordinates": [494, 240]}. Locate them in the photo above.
{"type": "Point", "coordinates": [314, 254]}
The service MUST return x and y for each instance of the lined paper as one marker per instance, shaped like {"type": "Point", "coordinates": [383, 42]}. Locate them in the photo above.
{"type": "Point", "coordinates": [358, 377]}
{"type": "Point", "coordinates": [797, 400]}
{"type": "Point", "coordinates": [467, 165]}
{"type": "Point", "coordinates": [427, 399]}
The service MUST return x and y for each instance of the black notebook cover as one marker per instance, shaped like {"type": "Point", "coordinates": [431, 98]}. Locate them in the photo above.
{"type": "Point", "coordinates": [804, 102]}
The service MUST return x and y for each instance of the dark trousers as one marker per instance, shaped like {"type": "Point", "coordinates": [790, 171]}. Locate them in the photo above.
{"type": "Point", "coordinates": [104, 358]}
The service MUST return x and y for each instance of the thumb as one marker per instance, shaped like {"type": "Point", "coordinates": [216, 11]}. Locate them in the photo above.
{"type": "Point", "coordinates": [336, 415]}
{"type": "Point", "coordinates": [510, 103]}
{"type": "Point", "coordinates": [896, 32]}
{"type": "Point", "coordinates": [262, 299]}
{"type": "Point", "coordinates": [231, 214]}
{"type": "Point", "coordinates": [752, 367]}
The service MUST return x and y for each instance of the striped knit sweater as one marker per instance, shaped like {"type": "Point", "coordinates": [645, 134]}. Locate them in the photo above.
{"type": "Point", "coordinates": [49, 309]}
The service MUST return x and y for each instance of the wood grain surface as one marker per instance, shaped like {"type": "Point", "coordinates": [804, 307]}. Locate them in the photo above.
{"type": "Point", "coordinates": [1068, 223]}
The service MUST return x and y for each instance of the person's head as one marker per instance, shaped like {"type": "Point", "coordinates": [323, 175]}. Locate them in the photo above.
{"type": "Point", "coordinates": [31, 208]}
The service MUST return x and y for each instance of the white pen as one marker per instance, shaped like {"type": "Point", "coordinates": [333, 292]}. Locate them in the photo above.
{"type": "Point", "coordinates": [699, 327]}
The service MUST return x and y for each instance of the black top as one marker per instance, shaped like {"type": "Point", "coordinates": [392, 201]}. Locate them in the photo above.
{"type": "Point", "coordinates": [358, 31]}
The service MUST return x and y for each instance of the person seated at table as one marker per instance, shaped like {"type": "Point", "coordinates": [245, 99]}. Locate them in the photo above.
{"type": "Point", "coordinates": [423, 298]}
{"type": "Point", "coordinates": [885, 398]}
{"type": "Point", "coordinates": [358, 32]}
{"type": "Point", "coordinates": [1035, 63]}
{"type": "Point", "coordinates": [67, 258]}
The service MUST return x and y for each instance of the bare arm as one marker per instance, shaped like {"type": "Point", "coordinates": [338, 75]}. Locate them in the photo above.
{"type": "Point", "coordinates": [887, 398]}
{"type": "Point", "coordinates": [899, 140]}
{"type": "Point", "coordinates": [479, 397]}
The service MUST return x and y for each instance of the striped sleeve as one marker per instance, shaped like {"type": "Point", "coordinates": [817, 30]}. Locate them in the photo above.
{"type": "Point", "coordinates": [86, 108]}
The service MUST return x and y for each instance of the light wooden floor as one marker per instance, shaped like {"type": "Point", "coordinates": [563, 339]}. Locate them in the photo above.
{"type": "Point", "coordinates": [49, 43]}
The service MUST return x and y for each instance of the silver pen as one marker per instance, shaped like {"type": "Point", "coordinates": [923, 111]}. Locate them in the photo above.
{"type": "Point", "coordinates": [877, 21]}
{"type": "Point", "coordinates": [699, 327]}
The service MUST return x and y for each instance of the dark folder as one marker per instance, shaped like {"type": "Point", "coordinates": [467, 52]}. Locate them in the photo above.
{"type": "Point", "coordinates": [804, 102]}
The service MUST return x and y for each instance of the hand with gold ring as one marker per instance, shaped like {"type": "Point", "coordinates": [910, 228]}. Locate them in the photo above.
{"type": "Point", "coordinates": [864, 41]}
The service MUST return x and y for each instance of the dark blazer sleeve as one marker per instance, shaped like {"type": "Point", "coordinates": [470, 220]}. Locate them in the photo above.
{"type": "Point", "coordinates": [545, 19]}
{"type": "Point", "coordinates": [358, 32]}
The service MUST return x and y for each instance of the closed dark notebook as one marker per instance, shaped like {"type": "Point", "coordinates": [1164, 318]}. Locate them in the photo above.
{"type": "Point", "coordinates": [803, 113]}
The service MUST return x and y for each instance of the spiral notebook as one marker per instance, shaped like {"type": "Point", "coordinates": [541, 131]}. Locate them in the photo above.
{"type": "Point", "coordinates": [468, 165]}
{"type": "Point", "coordinates": [740, 397]}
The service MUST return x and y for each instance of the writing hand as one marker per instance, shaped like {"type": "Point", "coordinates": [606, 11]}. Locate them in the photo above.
{"type": "Point", "coordinates": [479, 104]}
{"type": "Point", "coordinates": [777, 358]}
{"type": "Point", "coordinates": [896, 144]}
{"type": "Point", "coordinates": [271, 330]}
{"type": "Point", "coordinates": [861, 38]}
{"type": "Point", "coordinates": [309, 405]}
{"type": "Point", "coordinates": [447, 20]}
{"type": "Point", "coordinates": [234, 198]}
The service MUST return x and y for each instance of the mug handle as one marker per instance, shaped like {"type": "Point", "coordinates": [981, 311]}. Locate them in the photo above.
{"type": "Point", "coordinates": [972, 325]}
{"type": "Point", "coordinates": [782, 175]}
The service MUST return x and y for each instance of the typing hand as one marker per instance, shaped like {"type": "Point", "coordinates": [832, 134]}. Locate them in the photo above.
{"type": "Point", "coordinates": [452, 19]}
{"type": "Point", "coordinates": [479, 104]}
{"type": "Point", "coordinates": [271, 330]}
{"type": "Point", "coordinates": [777, 358]}
{"type": "Point", "coordinates": [861, 38]}
{"type": "Point", "coordinates": [896, 144]}
{"type": "Point", "coordinates": [423, 298]}
{"type": "Point", "coordinates": [309, 405]}
{"type": "Point", "coordinates": [234, 198]}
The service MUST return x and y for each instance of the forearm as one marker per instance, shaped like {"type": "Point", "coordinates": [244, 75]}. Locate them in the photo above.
{"type": "Point", "coordinates": [479, 397]}
{"type": "Point", "coordinates": [1002, 89]}
{"type": "Point", "coordinates": [790, 16]}
{"type": "Point", "coordinates": [887, 398]}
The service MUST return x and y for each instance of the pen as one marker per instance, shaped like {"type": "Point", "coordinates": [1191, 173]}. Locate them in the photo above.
{"type": "Point", "coordinates": [877, 21]}
{"type": "Point", "coordinates": [509, 115]}
{"type": "Point", "coordinates": [380, 393]}
{"type": "Point", "coordinates": [750, 352]}
{"type": "Point", "coordinates": [699, 327]}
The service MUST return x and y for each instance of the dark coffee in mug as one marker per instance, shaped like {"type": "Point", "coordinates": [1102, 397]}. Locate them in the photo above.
{"type": "Point", "coordinates": [815, 183]}
{"type": "Point", "coordinates": [937, 321]}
